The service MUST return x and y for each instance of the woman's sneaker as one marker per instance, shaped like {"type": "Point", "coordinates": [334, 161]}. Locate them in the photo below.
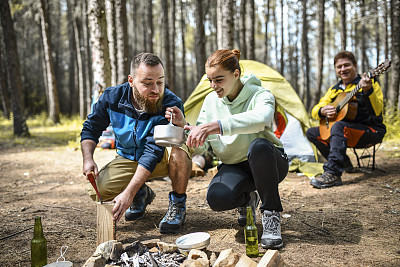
{"type": "Point", "coordinates": [253, 202]}
{"type": "Point", "coordinates": [271, 237]}
{"type": "Point", "coordinates": [143, 197]}
{"type": "Point", "coordinates": [176, 215]}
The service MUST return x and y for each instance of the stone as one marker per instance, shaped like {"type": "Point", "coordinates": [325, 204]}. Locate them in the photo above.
{"type": "Point", "coordinates": [135, 247]}
{"type": "Point", "coordinates": [227, 258]}
{"type": "Point", "coordinates": [195, 254]}
{"type": "Point", "coordinates": [117, 250]}
{"type": "Point", "coordinates": [166, 247]}
{"type": "Point", "coordinates": [104, 249]}
{"type": "Point", "coordinates": [95, 261]}
{"type": "Point", "coordinates": [150, 243]}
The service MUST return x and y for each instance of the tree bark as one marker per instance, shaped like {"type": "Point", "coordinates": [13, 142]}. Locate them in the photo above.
{"type": "Point", "coordinates": [251, 21]}
{"type": "Point", "coordinates": [184, 89]}
{"type": "Point", "coordinates": [200, 45]}
{"type": "Point", "coordinates": [305, 60]}
{"type": "Point", "coordinates": [112, 39]}
{"type": "Point", "coordinates": [364, 58]}
{"type": "Point", "coordinates": [150, 27]}
{"type": "Point", "coordinates": [99, 44]}
{"type": "Point", "coordinates": [225, 30]}
{"type": "Point", "coordinates": [87, 55]}
{"type": "Point", "coordinates": [4, 94]}
{"type": "Point", "coordinates": [386, 18]}
{"type": "Point", "coordinates": [282, 67]}
{"type": "Point", "coordinates": [53, 105]}
{"type": "Point", "coordinates": [395, 68]}
{"type": "Point", "coordinates": [343, 24]}
{"type": "Point", "coordinates": [173, 33]}
{"type": "Point", "coordinates": [167, 51]}
{"type": "Point", "coordinates": [320, 52]}
{"type": "Point", "coordinates": [13, 70]}
{"type": "Point", "coordinates": [243, 35]}
{"type": "Point", "coordinates": [122, 41]}
{"type": "Point", "coordinates": [267, 58]}
{"type": "Point", "coordinates": [72, 85]}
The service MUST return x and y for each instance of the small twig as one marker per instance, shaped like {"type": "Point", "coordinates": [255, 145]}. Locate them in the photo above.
{"type": "Point", "coordinates": [62, 207]}
{"type": "Point", "coordinates": [16, 233]}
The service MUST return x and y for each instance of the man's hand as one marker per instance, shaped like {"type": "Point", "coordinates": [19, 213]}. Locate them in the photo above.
{"type": "Point", "coordinates": [122, 203]}
{"type": "Point", "coordinates": [177, 117]}
{"type": "Point", "coordinates": [365, 83]}
{"type": "Point", "coordinates": [88, 147]}
{"type": "Point", "coordinates": [328, 111]}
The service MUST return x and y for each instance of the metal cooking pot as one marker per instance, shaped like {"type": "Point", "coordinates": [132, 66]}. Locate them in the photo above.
{"type": "Point", "coordinates": [169, 135]}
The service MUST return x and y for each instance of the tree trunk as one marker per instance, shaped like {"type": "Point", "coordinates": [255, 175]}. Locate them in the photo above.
{"type": "Point", "coordinates": [377, 36]}
{"type": "Point", "coordinates": [164, 6]}
{"type": "Point", "coordinates": [184, 89]}
{"type": "Point", "coordinates": [343, 24]}
{"type": "Point", "coordinates": [53, 105]}
{"type": "Point", "coordinates": [364, 58]}
{"type": "Point", "coordinates": [395, 71]}
{"type": "Point", "coordinates": [305, 60]}
{"type": "Point", "coordinates": [13, 70]}
{"type": "Point", "coordinates": [173, 34]}
{"type": "Point", "coordinates": [72, 57]}
{"type": "Point", "coordinates": [320, 52]}
{"type": "Point", "coordinates": [112, 39]}
{"type": "Point", "coordinates": [200, 45]}
{"type": "Point", "coordinates": [225, 30]}
{"type": "Point", "coordinates": [282, 67]}
{"type": "Point", "coordinates": [275, 34]}
{"type": "Point", "coordinates": [251, 21]}
{"type": "Point", "coordinates": [243, 43]}
{"type": "Point", "coordinates": [267, 58]}
{"type": "Point", "coordinates": [99, 44]}
{"type": "Point", "coordinates": [4, 94]}
{"type": "Point", "coordinates": [386, 83]}
{"type": "Point", "coordinates": [122, 41]}
{"type": "Point", "coordinates": [77, 24]}
{"type": "Point", "coordinates": [87, 58]}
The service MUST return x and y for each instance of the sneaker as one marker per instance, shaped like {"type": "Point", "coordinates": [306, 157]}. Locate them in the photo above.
{"type": "Point", "coordinates": [326, 180]}
{"type": "Point", "coordinates": [176, 215]}
{"type": "Point", "coordinates": [253, 202]}
{"type": "Point", "coordinates": [271, 237]}
{"type": "Point", "coordinates": [144, 197]}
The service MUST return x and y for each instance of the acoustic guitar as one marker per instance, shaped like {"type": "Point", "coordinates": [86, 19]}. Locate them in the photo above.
{"type": "Point", "coordinates": [346, 104]}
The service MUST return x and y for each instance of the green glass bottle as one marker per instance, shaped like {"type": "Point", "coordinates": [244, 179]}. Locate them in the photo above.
{"type": "Point", "coordinates": [38, 245]}
{"type": "Point", "coordinates": [250, 235]}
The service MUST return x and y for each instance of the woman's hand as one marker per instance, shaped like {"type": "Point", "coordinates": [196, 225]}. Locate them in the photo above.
{"type": "Point", "coordinates": [199, 134]}
{"type": "Point", "coordinates": [177, 116]}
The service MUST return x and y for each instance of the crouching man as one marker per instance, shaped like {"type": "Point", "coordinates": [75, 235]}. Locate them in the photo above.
{"type": "Point", "coordinates": [134, 109]}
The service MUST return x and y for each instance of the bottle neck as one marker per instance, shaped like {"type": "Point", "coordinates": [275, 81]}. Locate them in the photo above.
{"type": "Point", "coordinates": [38, 230]}
{"type": "Point", "coordinates": [249, 216]}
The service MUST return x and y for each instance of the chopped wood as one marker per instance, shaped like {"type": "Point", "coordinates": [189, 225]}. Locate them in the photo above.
{"type": "Point", "coordinates": [271, 258]}
{"type": "Point", "coordinates": [106, 227]}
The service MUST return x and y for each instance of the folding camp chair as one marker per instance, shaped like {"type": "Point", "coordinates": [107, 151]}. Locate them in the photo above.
{"type": "Point", "coordinates": [366, 160]}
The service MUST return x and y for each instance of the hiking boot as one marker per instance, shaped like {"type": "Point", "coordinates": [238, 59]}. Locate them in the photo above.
{"type": "Point", "coordinates": [176, 215]}
{"type": "Point", "coordinates": [144, 197]}
{"type": "Point", "coordinates": [253, 202]}
{"type": "Point", "coordinates": [326, 180]}
{"type": "Point", "coordinates": [271, 237]}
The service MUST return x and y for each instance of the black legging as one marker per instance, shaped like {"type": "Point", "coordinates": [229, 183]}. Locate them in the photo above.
{"type": "Point", "coordinates": [265, 168]}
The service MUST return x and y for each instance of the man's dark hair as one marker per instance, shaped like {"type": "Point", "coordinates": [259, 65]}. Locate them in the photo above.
{"type": "Point", "coordinates": [345, 54]}
{"type": "Point", "coordinates": [146, 58]}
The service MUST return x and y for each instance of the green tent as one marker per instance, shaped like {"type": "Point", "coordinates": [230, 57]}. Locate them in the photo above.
{"type": "Point", "coordinates": [286, 97]}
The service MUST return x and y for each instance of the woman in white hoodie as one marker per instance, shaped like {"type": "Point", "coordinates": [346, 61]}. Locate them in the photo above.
{"type": "Point", "coordinates": [241, 111]}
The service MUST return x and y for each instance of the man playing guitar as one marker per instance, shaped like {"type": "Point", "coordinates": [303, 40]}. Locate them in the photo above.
{"type": "Point", "coordinates": [362, 126]}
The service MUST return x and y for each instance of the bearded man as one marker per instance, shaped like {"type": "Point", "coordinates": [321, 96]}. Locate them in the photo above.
{"type": "Point", "coordinates": [133, 109]}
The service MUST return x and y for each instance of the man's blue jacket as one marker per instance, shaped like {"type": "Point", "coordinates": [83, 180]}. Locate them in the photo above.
{"type": "Point", "coordinates": [133, 132]}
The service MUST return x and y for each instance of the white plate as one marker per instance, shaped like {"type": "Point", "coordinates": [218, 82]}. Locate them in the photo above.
{"type": "Point", "coordinates": [198, 240]}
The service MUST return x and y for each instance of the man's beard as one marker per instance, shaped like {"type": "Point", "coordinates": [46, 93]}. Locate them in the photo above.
{"type": "Point", "coordinates": [146, 105]}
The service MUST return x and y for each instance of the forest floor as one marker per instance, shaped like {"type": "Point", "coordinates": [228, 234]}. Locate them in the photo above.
{"type": "Point", "coordinates": [357, 224]}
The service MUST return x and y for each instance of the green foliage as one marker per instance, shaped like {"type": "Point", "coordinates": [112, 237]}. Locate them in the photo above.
{"type": "Point", "coordinates": [43, 133]}
{"type": "Point", "coordinates": [392, 123]}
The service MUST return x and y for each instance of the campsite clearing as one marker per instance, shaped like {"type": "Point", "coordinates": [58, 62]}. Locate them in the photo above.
{"type": "Point", "coordinates": [357, 224]}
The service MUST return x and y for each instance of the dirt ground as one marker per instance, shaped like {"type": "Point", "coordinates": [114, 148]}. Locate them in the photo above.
{"type": "Point", "coordinates": [357, 224]}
